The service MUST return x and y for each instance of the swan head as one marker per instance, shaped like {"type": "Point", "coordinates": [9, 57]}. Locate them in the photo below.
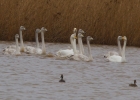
{"type": "Point", "coordinates": [119, 37]}
{"type": "Point", "coordinates": [124, 38]}
{"type": "Point", "coordinates": [80, 35]}
{"type": "Point", "coordinates": [22, 28]}
{"type": "Point", "coordinates": [75, 30]}
{"type": "Point", "coordinates": [81, 31]}
{"type": "Point", "coordinates": [89, 38]}
{"type": "Point", "coordinates": [73, 36]}
{"type": "Point", "coordinates": [37, 31]}
{"type": "Point", "coordinates": [43, 29]}
{"type": "Point", "coordinates": [16, 36]}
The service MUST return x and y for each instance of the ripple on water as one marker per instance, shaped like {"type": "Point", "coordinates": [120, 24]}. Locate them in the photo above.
{"type": "Point", "coordinates": [32, 77]}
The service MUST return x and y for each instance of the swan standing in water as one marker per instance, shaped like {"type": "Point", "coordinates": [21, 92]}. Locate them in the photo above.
{"type": "Point", "coordinates": [117, 58]}
{"type": "Point", "coordinates": [111, 53]}
{"type": "Point", "coordinates": [13, 51]}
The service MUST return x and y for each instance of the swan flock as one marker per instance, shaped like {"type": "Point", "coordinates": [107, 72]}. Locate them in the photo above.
{"type": "Point", "coordinates": [76, 52]}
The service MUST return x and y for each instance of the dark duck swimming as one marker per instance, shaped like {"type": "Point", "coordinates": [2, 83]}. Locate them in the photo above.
{"type": "Point", "coordinates": [133, 85]}
{"type": "Point", "coordinates": [61, 80]}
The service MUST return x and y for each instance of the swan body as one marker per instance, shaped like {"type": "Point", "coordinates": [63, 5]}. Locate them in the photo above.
{"type": "Point", "coordinates": [12, 50]}
{"type": "Point", "coordinates": [80, 55]}
{"type": "Point", "coordinates": [89, 57]}
{"type": "Point", "coordinates": [37, 50]}
{"type": "Point", "coordinates": [21, 41]}
{"type": "Point", "coordinates": [111, 53]}
{"type": "Point", "coordinates": [68, 52]}
{"type": "Point", "coordinates": [65, 53]}
{"type": "Point", "coordinates": [34, 50]}
{"type": "Point", "coordinates": [117, 58]}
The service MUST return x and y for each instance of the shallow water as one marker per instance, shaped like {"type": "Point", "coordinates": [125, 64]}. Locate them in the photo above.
{"type": "Point", "coordinates": [32, 77]}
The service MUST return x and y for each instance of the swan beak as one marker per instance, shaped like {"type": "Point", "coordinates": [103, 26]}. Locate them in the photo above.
{"type": "Point", "coordinates": [75, 37]}
{"type": "Point", "coordinates": [82, 35]}
{"type": "Point", "coordinates": [123, 37]}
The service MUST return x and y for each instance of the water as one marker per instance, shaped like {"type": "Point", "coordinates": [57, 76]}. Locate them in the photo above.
{"type": "Point", "coordinates": [32, 77]}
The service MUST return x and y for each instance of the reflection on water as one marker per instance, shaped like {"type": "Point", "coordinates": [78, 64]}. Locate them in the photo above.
{"type": "Point", "coordinates": [32, 77]}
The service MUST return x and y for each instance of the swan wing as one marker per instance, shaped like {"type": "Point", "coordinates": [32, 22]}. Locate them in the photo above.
{"type": "Point", "coordinates": [65, 53]}
{"type": "Point", "coordinates": [111, 53]}
{"type": "Point", "coordinates": [115, 58]}
{"type": "Point", "coordinates": [29, 49]}
{"type": "Point", "coordinates": [38, 51]}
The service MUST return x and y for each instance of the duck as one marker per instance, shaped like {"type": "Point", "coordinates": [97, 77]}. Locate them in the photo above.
{"type": "Point", "coordinates": [133, 85]}
{"type": "Point", "coordinates": [61, 80]}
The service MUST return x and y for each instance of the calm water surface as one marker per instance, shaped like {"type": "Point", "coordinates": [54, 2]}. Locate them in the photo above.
{"type": "Point", "coordinates": [33, 77]}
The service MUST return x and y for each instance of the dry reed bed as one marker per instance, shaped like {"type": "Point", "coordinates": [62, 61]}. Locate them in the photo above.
{"type": "Point", "coordinates": [104, 20]}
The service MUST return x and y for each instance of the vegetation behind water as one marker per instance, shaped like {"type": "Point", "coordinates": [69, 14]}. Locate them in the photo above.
{"type": "Point", "coordinates": [104, 20]}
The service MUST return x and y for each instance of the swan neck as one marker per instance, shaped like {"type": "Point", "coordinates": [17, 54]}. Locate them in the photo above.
{"type": "Point", "coordinates": [119, 46]}
{"type": "Point", "coordinates": [16, 39]}
{"type": "Point", "coordinates": [89, 50]}
{"type": "Point", "coordinates": [82, 48]}
{"type": "Point", "coordinates": [72, 44]}
{"type": "Point", "coordinates": [43, 43]}
{"type": "Point", "coordinates": [74, 41]}
{"type": "Point", "coordinates": [123, 52]}
{"type": "Point", "coordinates": [37, 42]}
{"type": "Point", "coordinates": [21, 38]}
{"type": "Point", "coordinates": [79, 43]}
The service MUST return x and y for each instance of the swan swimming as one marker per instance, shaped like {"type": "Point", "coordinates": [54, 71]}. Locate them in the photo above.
{"type": "Point", "coordinates": [80, 31]}
{"type": "Point", "coordinates": [34, 50]}
{"type": "Point", "coordinates": [111, 53]}
{"type": "Point", "coordinates": [74, 32]}
{"type": "Point", "coordinates": [13, 51]}
{"type": "Point", "coordinates": [68, 52]}
{"type": "Point", "coordinates": [80, 55]}
{"type": "Point", "coordinates": [21, 48]}
{"type": "Point", "coordinates": [117, 58]}
{"type": "Point", "coordinates": [43, 30]}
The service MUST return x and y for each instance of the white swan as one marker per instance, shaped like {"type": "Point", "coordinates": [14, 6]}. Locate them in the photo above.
{"type": "Point", "coordinates": [21, 38]}
{"type": "Point", "coordinates": [74, 32]}
{"type": "Point", "coordinates": [80, 55]}
{"type": "Point", "coordinates": [13, 51]}
{"type": "Point", "coordinates": [111, 53]}
{"type": "Point", "coordinates": [34, 50]}
{"type": "Point", "coordinates": [89, 57]}
{"type": "Point", "coordinates": [117, 58]}
{"type": "Point", "coordinates": [80, 31]}
{"type": "Point", "coordinates": [43, 29]}
{"type": "Point", "coordinates": [21, 48]}
{"type": "Point", "coordinates": [67, 52]}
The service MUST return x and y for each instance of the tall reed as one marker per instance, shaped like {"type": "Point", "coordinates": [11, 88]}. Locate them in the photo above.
{"type": "Point", "coordinates": [104, 20]}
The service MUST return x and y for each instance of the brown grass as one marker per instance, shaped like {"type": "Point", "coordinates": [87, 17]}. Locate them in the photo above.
{"type": "Point", "coordinates": [104, 20]}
